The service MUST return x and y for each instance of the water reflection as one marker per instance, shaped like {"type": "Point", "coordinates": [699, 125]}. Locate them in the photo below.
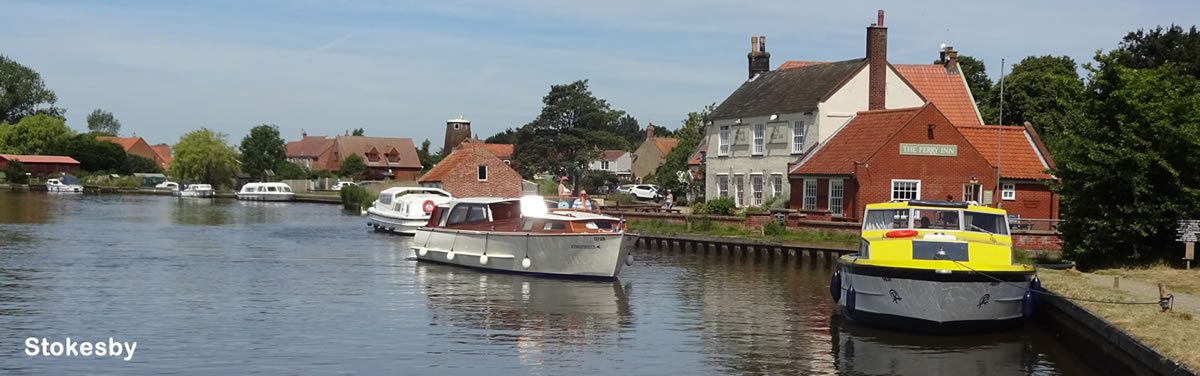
{"type": "Point", "coordinates": [28, 207]}
{"type": "Point", "coordinates": [200, 212]}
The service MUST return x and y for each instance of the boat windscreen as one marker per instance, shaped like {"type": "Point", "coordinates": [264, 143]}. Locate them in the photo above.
{"type": "Point", "coordinates": [887, 219]}
{"type": "Point", "coordinates": [70, 180]}
{"type": "Point", "coordinates": [936, 219]}
{"type": "Point", "coordinates": [985, 222]}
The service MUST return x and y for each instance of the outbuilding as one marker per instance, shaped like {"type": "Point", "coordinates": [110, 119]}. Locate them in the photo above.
{"type": "Point", "coordinates": [41, 166]}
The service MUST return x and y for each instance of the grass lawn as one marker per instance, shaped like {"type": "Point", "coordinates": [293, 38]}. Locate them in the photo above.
{"type": "Point", "coordinates": [1185, 281]}
{"type": "Point", "coordinates": [1171, 333]}
{"type": "Point", "coordinates": [718, 230]}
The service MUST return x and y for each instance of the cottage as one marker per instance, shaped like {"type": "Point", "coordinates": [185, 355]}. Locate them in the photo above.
{"type": "Point", "coordinates": [41, 166]}
{"type": "Point", "coordinates": [652, 152]}
{"type": "Point", "coordinates": [618, 162]}
{"type": "Point", "coordinates": [473, 171]}
{"type": "Point", "coordinates": [394, 158]}
{"type": "Point", "coordinates": [160, 154]}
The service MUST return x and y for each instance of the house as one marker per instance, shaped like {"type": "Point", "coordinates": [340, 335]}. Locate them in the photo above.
{"type": "Point", "coordinates": [394, 158]}
{"type": "Point", "coordinates": [42, 166]}
{"type": "Point", "coordinates": [502, 151]}
{"type": "Point", "coordinates": [652, 152]}
{"type": "Point", "coordinates": [1023, 161]}
{"type": "Point", "coordinates": [138, 146]}
{"type": "Point", "coordinates": [917, 154]}
{"type": "Point", "coordinates": [473, 171]}
{"type": "Point", "coordinates": [163, 151]}
{"type": "Point", "coordinates": [618, 162]}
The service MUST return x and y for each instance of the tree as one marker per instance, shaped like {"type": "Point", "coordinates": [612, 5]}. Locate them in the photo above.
{"type": "Point", "coordinates": [428, 160]}
{"type": "Point", "coordinates": [203, 156]}
{"type": "Point", "coordinates": [1045, 91]}
{"type": "Point", "coordinates": [262, 150]}
{"type": "Point", "coordinates": [22, 93]}
{"type": "Point", "coordinates": [659, 131]}
{"type": "Point", "coordinates": [1155, 48]}
{"type": "Point", "coordinates": [37, 134]}
{"type": "Point", "coordinates": [592, 180]}
{"type": "Point", "coordinates": [353, 167]}
{"type": "Point", "coordinates": [508, 136]}
{"type": "Point", "coordinates": [288, 170]}
{"type": "Point", "coordinates": [975, 73]}
{"type": "Point", "coordinates": [92, 154]}
{"type": "Point", "coordinates": [569, 133]}
{"type": "Point", "coordinates": [135, 163]}
{"type": "Point", "coordinates": [689, 137]}
{"type": "Point", "coordinates": [357, 132]}
{"type": "Point", "coordinates": [14, 172]}
{"type": "Point", "coordinates": [1131, 170]}
{"type": "Point", "coordinates": [103, 121]}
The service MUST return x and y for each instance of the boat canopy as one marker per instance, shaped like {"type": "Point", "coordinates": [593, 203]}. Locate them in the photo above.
{"type": "Point", "coordinates": [70, 179]}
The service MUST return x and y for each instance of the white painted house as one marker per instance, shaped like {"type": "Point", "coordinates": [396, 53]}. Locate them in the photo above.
{"type": "Point", "coordinates": [618, 162]}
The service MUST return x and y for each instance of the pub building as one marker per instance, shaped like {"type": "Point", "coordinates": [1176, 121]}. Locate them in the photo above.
{"type": "Point", "coordinates": [918, 154]}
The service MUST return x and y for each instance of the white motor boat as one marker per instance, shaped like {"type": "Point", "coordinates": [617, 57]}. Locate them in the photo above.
{"type": "Point", "coordinates": [404, 209]}
{"type": "Point", "coordinates": [266, 192]}
{"type": "Point", "coordinates": [68, 183]}
{"type": "Point", "coordinates": [196, 191]}
{"type": "Point", "coordinates": [523, 235]}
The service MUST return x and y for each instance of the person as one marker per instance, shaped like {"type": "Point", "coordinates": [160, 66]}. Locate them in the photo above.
{"type": "Point", "coordinates": [562, 187]}
{"type": "Point", "coordinates": [924, 222]}
{"type": "Point", "coordinates": [582, 201]}
{"type": "Point", "coordinates": [670, 199]}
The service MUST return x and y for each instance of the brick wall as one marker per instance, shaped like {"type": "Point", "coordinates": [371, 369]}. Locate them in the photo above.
{"type": "Point", "coordinates": [462, 180]}
{"type": "Point", "coordinates": [1037, 240]}
{"type": "Point", "coordinates": [1033, 200]}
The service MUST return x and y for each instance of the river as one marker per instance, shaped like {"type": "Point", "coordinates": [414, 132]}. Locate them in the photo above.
{"type": "Point", "coordinates": [230, 287]}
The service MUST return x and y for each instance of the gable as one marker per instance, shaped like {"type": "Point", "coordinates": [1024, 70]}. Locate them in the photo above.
{"type": "Point", "coordinates": [946, 88]}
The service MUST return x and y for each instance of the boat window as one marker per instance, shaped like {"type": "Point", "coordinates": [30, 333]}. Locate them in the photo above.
{"type": "Point", "coordinates": [477, 213]}
{"type": "Point", "coordinates": [262, 188]}
{"type": "Point", "coordinates": [886, 219]}
{"type": "Point", "coordinates": [528, 226]}
{"type": "Point", "coordinates": [271, 189]}
{"type": "Point", "coordinates": [505, 210]}
{"type": "Point", "coordinates": [385, 198]}
{"type": "Point", "coordinates": [554, 226]}
{"type": "Point", "coordinates": [457, 215]}
{"type": "Point", "coordinates": [285, 189]}
{"type": "Point", "coordinates": [936, 219]}
{"type": "Point", "coordinates": [985, 222]}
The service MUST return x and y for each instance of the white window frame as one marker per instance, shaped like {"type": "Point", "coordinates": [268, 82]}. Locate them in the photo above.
{"type": "Point", "coordinates": [893, 190]}
{"type": "Point", "coordinates": [1008, 191]}
{"type": "Point", "coordinates": [810, 194]}
{"type": "Point", "coordinates": [798, 129]}
{"type": "Point", "coordinates": [739, 190]}
{"type": "Point", "coordinates": [776, 190]}
{"type": "Point", "coordinates": [723, 141]}
{"type": "Point", "coordinates": [484, 170]}
{"type": "Point", "coordinates": [972, 191]}
{"type": "Point", "coordinates": [836, 201]}
{"type": "Point", "coordinates": [722, 185]}
{"type": "Point", "coordinates": [604, 165]}
{"type": "Point", "coordinates": [760, 132]}
{"type": "Point", "coordinates": [756, 193]}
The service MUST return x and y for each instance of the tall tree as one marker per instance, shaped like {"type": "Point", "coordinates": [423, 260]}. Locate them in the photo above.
{"type": "Point", "coordinates": [1045, 91]}
{"type": "Point", "coordinates": [974, 71]}
{"type": "Point", "coordinates": [358, 132]}
{"type": "Point", "coordinates": [92, 154]}
{"type": "Point", "coordinates": [428, 159]}
{"type": "Point", "coordinates": [508, 136]}
{"type": "Point", "coordinates": [37, 134]}
{"type": "Point", "coordinates": [135, 163]}
{"type": "Point", "coordinates": [353, 167]}
{"type": "Point", "coordinates": [1154, 48]}
{"type": "Point", "coordinates": [103, 121]}
{"type": "Point", "coordinates": [262, 150]}
{"type": "Point", "coordinates": [204, 156]}
{"type": "Point", "coordinates": [22, 93]}
{"type": "Point", "coordinates": [689, 137]}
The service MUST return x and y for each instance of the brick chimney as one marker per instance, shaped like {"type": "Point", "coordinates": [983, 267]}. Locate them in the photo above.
{"type": "Point", "coordinates": [949, 58]}
{"type": "Point", "coordinates": [759, 59]}
{"type": "Point", "coordinates": [877, 64]}
{"type": "Point", "coordinates": [650, 131]}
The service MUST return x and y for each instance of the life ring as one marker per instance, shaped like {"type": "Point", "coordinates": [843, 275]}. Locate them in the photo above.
{"type": "Point", "coordinates": [427, 206]}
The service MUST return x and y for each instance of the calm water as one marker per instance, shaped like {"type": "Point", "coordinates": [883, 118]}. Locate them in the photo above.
{"type": "Point", "coordinates": [227, 287]}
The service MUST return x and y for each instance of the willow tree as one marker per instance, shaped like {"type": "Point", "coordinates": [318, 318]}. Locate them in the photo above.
{"type": "Point", "coordinates": [204, 156]}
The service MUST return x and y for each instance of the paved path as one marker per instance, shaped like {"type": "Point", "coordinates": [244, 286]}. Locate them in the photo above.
{"type": "Point", "coordinates": [1183, 302]}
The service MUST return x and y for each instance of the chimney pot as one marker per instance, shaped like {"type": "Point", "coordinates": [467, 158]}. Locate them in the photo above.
{"type": "Point", "coordinates": [880, 18]}
{"type": "Point", "coordinates": [650, 131]}
{"type": "Point", "coordinates": [762, 44]}
{"type": "Point", "coordinates": [753, 43]}
{"type": "Point", "coordinates": [758, 60]}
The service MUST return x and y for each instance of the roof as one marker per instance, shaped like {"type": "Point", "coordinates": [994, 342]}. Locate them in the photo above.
{"type": "Point", "coordinates": [480, 200]}
{"type": "Point", "coordinates": [40, 158]}
{"type": "Point", "coordinates": [125, 142]}
{"type": "Point", "coordinates": [309, 146]}
{"type": "Point", "coordinates": [787, 90]}
{"type": "Point", "coordinates": [932, 204]}
{"type": "Point", "coordinates": [164, 153]}
{"type": "Point", "coordinates": [1021, 156]}
{"type": "Point", "coordinates": [612, 155]}
{"type": "Point", "coordinates": [944, 87]}
{"type": "Point", "coordinates": [360, 145]}
{"type": "Point", "coordinates": [665, 144]}
{"type": "Point", "coordinates": [855, 141]}
{"type": "Point", "coordinates": [502, 151]}
{"type": "Point", "coordinates": [457, 157]}
{"type": "Point", "coordinates": [799, 63]}
{"type": "Point", "coordinates": [696, 157]}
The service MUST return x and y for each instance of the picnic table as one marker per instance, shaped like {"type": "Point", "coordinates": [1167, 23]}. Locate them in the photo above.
{"type": "Point", "coordinates": [657, 209]}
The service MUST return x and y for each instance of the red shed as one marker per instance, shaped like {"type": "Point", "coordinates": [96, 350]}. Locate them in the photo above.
{"type": "Point", "coordinates": [42, 165]}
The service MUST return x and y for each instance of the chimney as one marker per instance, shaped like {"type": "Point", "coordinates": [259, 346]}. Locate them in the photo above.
{"type": "Point", "coordinates": [877, 64]}
{"type": "Point", "coordinates": [650, 131]}
{"type": "Point", "coordinates": [950, 58]}
{"type": "Point", "coordinates": [759, 59]}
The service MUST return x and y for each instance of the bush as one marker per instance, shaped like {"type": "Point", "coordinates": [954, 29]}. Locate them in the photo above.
{"type": "Point", "coordinates": [774, 228]}
{"type": "Point", "coordinates": [355, 197]}
{"type": "Point", "coordinates": [681, 201]}
{"type": "Point", "coordinates": [135, 163]}
{"type": "Point", "coordinates": [720, 206]}
{"type": "Point", "coordinates": [593, 179]}
{"type": "Point", "coordinates": [622, 198]}
{"type": "Point", "coordinates": [547, 187]}
{"type": "Point", "coordinates": [15, 173]}
{"type": "Point", "coordinates": [701, 224]}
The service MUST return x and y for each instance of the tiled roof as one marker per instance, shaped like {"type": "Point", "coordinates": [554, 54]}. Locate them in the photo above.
{"type": "Point", "coordinates": [347, 145]}
{"type": "Point", "coordinates": [125, 142]}
{"type": "Point", "coordinates": [787, 90]}
{"type": "Point", "coordinates": [665, 144]}
{"type": "Point", "coordinates": [855, 141]}
{"type": "Point", "coordinates": [945, 88]}
{"type": "Point", "coordinates": [457, 157]}
{"type": "Point", "coordinates": [502, 151]}
{"type": "Point", "coordinates": [1020, 155]}
{"type": "Point", "coordinates": [309, 146]}
{"type": "Point", "coordinates": [612, 155]}
{"type": "Point", "coordinates": [39, 158]}
{"type": "Point", "coordinates": [799, 63]}
{"type": "Point", "coordinates": [164, 153]}
{"type": "Point", "coordinates": [695, 159]}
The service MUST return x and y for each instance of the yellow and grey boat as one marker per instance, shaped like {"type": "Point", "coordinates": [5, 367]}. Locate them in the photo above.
{"type": "Point", "coordinates": [934, 266]}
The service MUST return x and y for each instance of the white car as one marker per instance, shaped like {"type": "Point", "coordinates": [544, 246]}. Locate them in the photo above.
{"type": "Point", "coordinates": [341, 184]}
{"type": "Point", "coordinates": [646, 192]}
{"type": "Point", "coordinates": [168, 185]}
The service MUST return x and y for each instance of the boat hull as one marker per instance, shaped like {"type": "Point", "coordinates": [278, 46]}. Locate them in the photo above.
{"type": "Point", "coordinates": [196, 194]}
{"type": "Point", "coordinates": [64, 188]}
{"type": "Point", "coordinates": [264, 197]}
{"type": "Point", "coordinates": [927, 301]}
{"type": "Point", "coordinates": [401, 225]}
{"type": "Point", "coordinates": [594, 255]}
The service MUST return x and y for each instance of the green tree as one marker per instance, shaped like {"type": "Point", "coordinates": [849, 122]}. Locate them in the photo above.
{"type": "Point", "coordinates": [1043, 90]}
{"type": "Point", "coordinates": [288, 170]}
{"type": "Point", "coordinates": [357, 132]}
{"type": "Point", "coordinates": [689, 137]}
{"type": "Point", "coordinates": [22, 93]}
{"type": "Point", "coordinates": [37, 134]}
{"type": "Point", "coordinates": [262, 150]}
{"type": "Point", "coordinates": [14, 172]}
{"type": "Point", "coordinates": [104, 122]}
{"type": "Point", "coordinates": [428, 159]}
{"type": "Point", "coordinates": [508, 136]}
{"type": "Point", "coordinates": [1131, 170]}
{"type": "Point", "coordinates": [1155, 48]}
{"type": "Point", "coordinates": [593, 179]}
{"type": "Point", "coordinates": [135, 163]}
{"type": "Point", "coordinates": [974, 71]}
{"type": "Point", "coordinates": [204, 156]}
{"type": "Point", "coordinates": [353, 167]}
{"type": "Point", "coordinates": [92, 154]}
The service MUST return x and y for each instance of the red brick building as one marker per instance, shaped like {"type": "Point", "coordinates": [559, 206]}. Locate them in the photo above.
{"type": "Point", "coordinates": [42, 166]}
{"type": "Point", "coordinates": [394, 158]}
{"type": "Point", "coordinates": [160, 154]}
{"type": "Point", "coordinates": [473, 171]}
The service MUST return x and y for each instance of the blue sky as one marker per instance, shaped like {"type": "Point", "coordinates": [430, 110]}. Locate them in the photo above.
{"type": "Point", "coordinates": [400, 69]}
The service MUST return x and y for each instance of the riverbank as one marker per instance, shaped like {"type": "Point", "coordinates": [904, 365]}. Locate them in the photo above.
{"type": "Point", "coordinates": [786, 237]}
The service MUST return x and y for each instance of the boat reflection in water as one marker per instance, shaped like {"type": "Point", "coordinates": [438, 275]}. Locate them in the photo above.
{"type": "Point", "coordinates": [548, 320]}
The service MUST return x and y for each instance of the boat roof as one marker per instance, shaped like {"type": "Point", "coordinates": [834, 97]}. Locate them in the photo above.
{"type": "Point", "coordinates": [395, 190]}
{"type": "Point", "coordinates": [480, 200]}
{"type": "Point", "coordinates": [935, 205]}
{"type": "Point", "coordinates": [266, 183]}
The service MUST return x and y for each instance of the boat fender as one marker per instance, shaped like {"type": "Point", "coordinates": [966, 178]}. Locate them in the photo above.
{"type": "Point", "coordinates": [1035, 284]}
{"type": "Point", "coordinates": [422, 252]}
{"type": "Point", "coordinates": [427, 206]}
{"type": "Point", "coordinates": [1027, 304]}
{"type": "Point", "coordinates": [850, 300]}
{"type": "Point", "coordinates": [835, 286]}
{"type": "Point", "coordinates": [483, 260]}
{"type": "Point", "coordinates": [526, 263]}
{"type": "Point", "coordinates": [450, 256]}
{"type": "Point", "coordinates": [629, 260]}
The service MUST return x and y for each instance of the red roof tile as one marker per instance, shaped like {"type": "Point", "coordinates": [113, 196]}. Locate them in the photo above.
{"type": "Point", "coordinates": [125, 142]}
{"type": "Point", "coordinates": [1020, 156]}
{"type": "Point", "coordinates": [164, 153]}
{"type": "Point", "coordinates": [665, 144]}
{"type": "Point", "coordinates": [695, 159]}
{"type": "Point", "coordinates": [457, 157]}
{"type": "Point", "coordinates": [309, 146]}
{"type": "Point", "coordinates": [856, 141]}
{"type": "Point", "coordinates": [347, 145]}
{"type": "Point", "coordinates": [612, 155]}
{"type": "Point", "coordinates": [799, 63]}
{"type": "Point", "coordinates": [943, 87]}
{"type": "Point", "coordinates": [40, 158]}
{"type": "Point", "coordinates": [502, 151]}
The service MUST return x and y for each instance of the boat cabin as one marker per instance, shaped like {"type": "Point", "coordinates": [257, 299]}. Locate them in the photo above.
{"type": "Point", "coordinates": [411, 201]}
{"type": "Point", "coordinates": [938, 216]}
{"type": "Point", "coordinates": [266, 188]}
{"type": "Point", "coordinates": [936, 230]}
{"type": "Point", "coordinates": [531, 214]}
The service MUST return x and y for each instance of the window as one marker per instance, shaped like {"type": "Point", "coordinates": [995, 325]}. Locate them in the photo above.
{"type": "Point", "coordinates": [271, 189]}
{"type": "Point", "coordinates": [455, 125]}
{"type": "Point", "coordinates": [936, 219]}
{"type": "Point", "coordinates": [835, 196]}
{"type": "Point", "coordinates": [604, 165]}
{"type": "Point", "coordinates": [1008, 191]}
{"type": "Point", "coordinates": [528, 225]}
{"type": "Point", "coordinates": [285, 189]}
{"type": "Point", "coordinates": [810, 194]}
{"type": "Point", "coordinates": [905, 190]}
{"type": "Point", "coordinates": [508, 162]}
{"type": "Point", "coordinates": [394, 157]}
{"type": "Point", "coordinates": [776, 185]}
{"type": "Point", "coordinates": [457, 215]}
{"type": "Point", "coordinates": [972, 192]}
{"type": "Point", "coordinates": [723, 141]}
{"type": "Point", "coordinates": [482, 173]}
{"type": "Point", "coordinates": [722, 185]}
{"type": "Point", "coordinates": [554, 226]}
{"type": "Point", "coordinates": [886, 219]}
{"type": "Point", "coordinates": [373, 157]}
{"type": "Point", "coordinates": [984, 222]}
{"type": "Point", "coordinates": [477, 213]}
{"type": "Point", "coordinates": [756, 190]}
{"type": "Point", "coordinates": [739, 184]}
{"type": "Point", "coordinates": [759, 132]}
{"type": "Point", "coordinates": [798, 136]}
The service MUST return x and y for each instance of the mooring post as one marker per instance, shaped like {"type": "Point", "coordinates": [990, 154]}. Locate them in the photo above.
{"type": "Point", "coordinates": [1116, 282]}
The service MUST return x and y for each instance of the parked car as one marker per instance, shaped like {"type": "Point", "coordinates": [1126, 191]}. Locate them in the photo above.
{"type": "Point", "coordinates": [341, 184]}
{"type": "Point", "coordinates": [628, 188]}
{"type": "Point", "coordinates": [648, 192]}
{"type": "Point", "coordinates": [168, 185]}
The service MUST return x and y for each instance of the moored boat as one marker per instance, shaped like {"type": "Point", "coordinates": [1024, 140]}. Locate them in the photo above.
{"type": "Point", "coordinates": [404, 209]}
{"type": "Point", "coordinates": [196, 191]}
{"type": "Point", "coordinates": [934, 266]}
{"type": "Point", "coordinates": [266, 192]}
{"type": "Point", "coordinates": [525, 236]}
{"type": "Point", "coordinates": [68, 183]}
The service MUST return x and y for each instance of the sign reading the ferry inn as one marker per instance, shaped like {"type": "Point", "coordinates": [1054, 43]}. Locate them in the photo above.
{"type": "Point", "coordinates": [929, 150]}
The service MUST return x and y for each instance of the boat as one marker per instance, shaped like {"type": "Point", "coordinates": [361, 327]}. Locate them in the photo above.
{"type": "Point", "coordinates": [934, 266]}
{"type": "Point", "coordinates": [524, 236]}
{"type": "Point", "coordinates": [196, 191]}
{"type": "Point", "coordinates": [266, 192]}
{"type": "Point", "coordinates": [68, 183]}
{"type": "Point", "coordinates": [404, 209]}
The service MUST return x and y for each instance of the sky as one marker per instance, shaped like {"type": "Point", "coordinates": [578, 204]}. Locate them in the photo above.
{"type": "Point", "coordinates": [401, 69]}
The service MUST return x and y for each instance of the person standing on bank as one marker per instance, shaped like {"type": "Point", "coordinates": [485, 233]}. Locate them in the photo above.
{"type": "Point", "coordinates": [670, 199]}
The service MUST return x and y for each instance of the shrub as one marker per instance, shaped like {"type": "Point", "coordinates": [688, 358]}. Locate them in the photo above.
{"type": "Point", "coordinates": [720, 206]}
{"type": "Point", "coordinates": [701, 224]}
{"type": "Point", "coordinates": [355, 197]}
{"type": "Point", "coordinates": [622, 198]}
{"type": "Point", "coordinates": [773, 227]}
{"type": "Point", "coordinates": [15, 173]}
{"type": "Point", "coordinates": [681, 201]}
